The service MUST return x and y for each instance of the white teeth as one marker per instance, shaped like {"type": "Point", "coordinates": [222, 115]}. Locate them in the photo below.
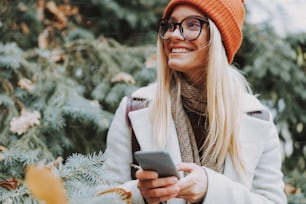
{"type": "Point", "coordinates": [179, 50]}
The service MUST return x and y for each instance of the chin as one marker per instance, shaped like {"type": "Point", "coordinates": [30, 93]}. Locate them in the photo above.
{"type": "Point", "coordinates": [179, 64]}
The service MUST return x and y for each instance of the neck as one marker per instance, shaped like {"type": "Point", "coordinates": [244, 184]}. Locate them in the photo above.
{"type": "Point", "coordinates": [197, 80]}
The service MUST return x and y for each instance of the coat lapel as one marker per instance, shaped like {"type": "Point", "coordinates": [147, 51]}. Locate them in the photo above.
{"type": "Point", "coordinates": [251, 145]}
{"type": "Point", "coordinates": [142, 126]}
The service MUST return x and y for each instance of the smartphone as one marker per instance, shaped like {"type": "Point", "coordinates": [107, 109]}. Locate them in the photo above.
{"type": "Point", "coordinates": [159, 161]}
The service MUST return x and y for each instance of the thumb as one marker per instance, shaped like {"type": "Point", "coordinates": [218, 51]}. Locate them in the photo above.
{"type": "Point", "coordinates": [186, 167]}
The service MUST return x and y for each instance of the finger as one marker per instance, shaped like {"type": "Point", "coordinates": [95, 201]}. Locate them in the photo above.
{"type": "Point", "coordinates": [193, 187]}
{"type": "Point", "coordinates": [160, 194]}
{"type": "Point", "coordinates": [157, 183]}
{"type": "Point", "coordinates": [185, 183]}
{"type": "Point", "coordinates": [187, 167]}
{"type": "Point", "coordinates": [161, 182]}
{"type": "Point", "coordinates": [146, 175]}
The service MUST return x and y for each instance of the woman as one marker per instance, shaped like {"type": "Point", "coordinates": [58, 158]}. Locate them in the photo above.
{"type": "Point", "coordinates": [202, 113]}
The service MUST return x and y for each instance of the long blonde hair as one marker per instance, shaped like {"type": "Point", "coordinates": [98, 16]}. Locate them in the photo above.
{"type": "Point", "coordinates": [225, 87]}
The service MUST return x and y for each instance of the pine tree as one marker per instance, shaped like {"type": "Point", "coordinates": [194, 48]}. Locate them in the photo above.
{"type": "Point", "coordinates": [55, 103]}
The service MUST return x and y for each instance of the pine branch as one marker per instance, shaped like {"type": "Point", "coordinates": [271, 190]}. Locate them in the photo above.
{"type": "Point", "coordinates": [10, 56]}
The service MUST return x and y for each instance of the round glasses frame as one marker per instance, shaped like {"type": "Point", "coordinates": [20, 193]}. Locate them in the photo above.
{"type": "Point", "coordinates": [166, 25]}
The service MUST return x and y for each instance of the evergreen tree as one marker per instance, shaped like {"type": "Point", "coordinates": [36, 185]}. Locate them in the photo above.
{"type": "Point", "coordinates": [55, 103]}
{"type": "Point", "coordinates": [61, 81]}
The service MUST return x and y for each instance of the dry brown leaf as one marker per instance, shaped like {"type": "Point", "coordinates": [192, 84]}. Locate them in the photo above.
{"type": "Point", "coordinates": [2, 148]}
{"type": "Point", "coordinates": [59, 15]}
{"type": "Point", "coordinates": [43, 39]}
{"type": "Point", "coordinates": [123, 194]}
{"type": "Point", "coordinates": [45, 185]}
{"type": "Point", "coordinates": [10, 184]}
{"type": "Point", "coordinates": [24, 122]}
{"type": "Point", "coordinates": [123, 77]}
{"type": "Point", "coordinates": [24, 28]}
{"type": "Point", "coordinates": [291, 190]}
{"type": "Point", "coordinates": [68, 10]}
{"type": "Point", "coordinates": [26, 84]}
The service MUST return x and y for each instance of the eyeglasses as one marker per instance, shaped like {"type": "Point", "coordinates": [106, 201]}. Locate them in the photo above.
{"type": "Point", "coordinates": [190, 27]}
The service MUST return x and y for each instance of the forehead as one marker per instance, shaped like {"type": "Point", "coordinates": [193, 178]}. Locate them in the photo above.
{"type": "Point", "coordinates": [183, 10]}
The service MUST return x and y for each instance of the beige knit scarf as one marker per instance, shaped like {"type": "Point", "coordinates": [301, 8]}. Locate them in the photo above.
{"type": "Point", "coordinates": [192, 99]}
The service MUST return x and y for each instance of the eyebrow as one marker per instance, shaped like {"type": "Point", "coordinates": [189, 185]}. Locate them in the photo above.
{"type": "Point", "coordinates": [193, 16]}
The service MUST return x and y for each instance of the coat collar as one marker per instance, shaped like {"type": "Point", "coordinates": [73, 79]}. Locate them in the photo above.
{"type": "Point", "coordinates": [251, 128]}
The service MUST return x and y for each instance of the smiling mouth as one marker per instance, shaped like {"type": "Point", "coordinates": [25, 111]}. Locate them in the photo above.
{"type": "Point", "coordinates": [180, 50]}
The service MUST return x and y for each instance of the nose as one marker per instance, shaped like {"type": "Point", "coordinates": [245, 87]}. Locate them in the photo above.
{"type": "Point", "coordinates": [176, 34]}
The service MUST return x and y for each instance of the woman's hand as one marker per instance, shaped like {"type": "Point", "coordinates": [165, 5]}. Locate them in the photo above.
{"type": "Point", "coordinates": [193, 187]}
{"type": "Point", "coordinates": [154, 189]}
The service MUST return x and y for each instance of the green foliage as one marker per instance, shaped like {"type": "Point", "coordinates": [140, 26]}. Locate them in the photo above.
{"type": "Point", "coordinates": [15, 14]}
{"type": "Point", "coordinates": [72, 95]}
{"type": "Point", "coordinates": [67, 76]}
{"type": "Point", "coordinates": [75, 96]}
{"type": "Point", "coordinates": [298, 180]}
{"type": "Point", "coordinates": [132, 21]}
{"type": "Point", "coordinates": [275, 68]}
{"type": "Point", "coordinates": [25, 21]}
{"type": "Point", "coordinates": [81, 175]}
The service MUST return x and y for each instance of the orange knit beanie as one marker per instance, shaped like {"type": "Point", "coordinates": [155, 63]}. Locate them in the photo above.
{"type": "Point", "coordinates": [228, 15]}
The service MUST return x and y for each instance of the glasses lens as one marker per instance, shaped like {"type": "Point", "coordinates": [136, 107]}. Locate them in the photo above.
{"type": "Point", "coordinates": [191, 28]}
{"type": "Point", "coordinates": [164, 26]}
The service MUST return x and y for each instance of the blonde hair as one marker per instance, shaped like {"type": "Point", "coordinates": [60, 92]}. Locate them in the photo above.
{"type": "Point", "coordinates": [225, 87]}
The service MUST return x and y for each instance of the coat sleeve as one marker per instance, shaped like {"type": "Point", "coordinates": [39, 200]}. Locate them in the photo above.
{"type": "Point", "coordinates": [118, 155]}
{"type": "Point", "coordinates": [266, 187]}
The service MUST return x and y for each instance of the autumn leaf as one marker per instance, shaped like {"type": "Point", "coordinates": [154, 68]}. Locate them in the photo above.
{"type": "Point", "coordinates": [2, 148]}
{"type": "Point", "coordinates": [68, 10]}
{"type": "Point", "coordinates": [24, 122]}
{"type": "Point", "coordinates": [26, 84]}
{"type": "Point", "coordinates": [45, 185]}
{"type": "Point", "coordinates": [43, 39]}
{"type": "Point", "coordinates": [24, 28]}
{"type": "Point", "coordinates": [10, 184]}
{"type": "Point", "coordinates": [291, 190]}
{"type": "Point", "coordinates": [123, 77]}
{"type": "Point", "coordinates": [123, 194]}
{"type": "Point", "coordinates": [59, 15]}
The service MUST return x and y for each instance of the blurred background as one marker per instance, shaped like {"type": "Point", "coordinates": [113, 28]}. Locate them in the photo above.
{"type": "Point", "coordinates": [66, 64]}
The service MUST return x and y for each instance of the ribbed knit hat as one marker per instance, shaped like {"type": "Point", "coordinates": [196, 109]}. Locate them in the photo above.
{"type": "Point", "coordinates": [228, 15]}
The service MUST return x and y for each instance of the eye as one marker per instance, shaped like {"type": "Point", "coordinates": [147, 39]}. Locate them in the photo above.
{"type": "Point", "coordinates": [171, 26]}
{"type": "Point", "coordinates": [166, 25]}
{"type": "Point", "coordinates": [192, 24]}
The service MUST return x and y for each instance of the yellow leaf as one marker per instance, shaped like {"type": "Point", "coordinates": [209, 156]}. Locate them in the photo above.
{"type": "Point", "coordinates": [45, 185]}
{"type": "Point", "coordinates": [123, 77]}
{"type": "Point", "coordinates": [123, 194]}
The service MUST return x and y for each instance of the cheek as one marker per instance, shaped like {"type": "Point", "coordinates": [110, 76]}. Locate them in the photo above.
{"type": "Point", "coordinates": [166, 48]}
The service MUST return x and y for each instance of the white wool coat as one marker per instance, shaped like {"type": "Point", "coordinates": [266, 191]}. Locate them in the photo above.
{"type": "Point", "coordinates": [260, 147]}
